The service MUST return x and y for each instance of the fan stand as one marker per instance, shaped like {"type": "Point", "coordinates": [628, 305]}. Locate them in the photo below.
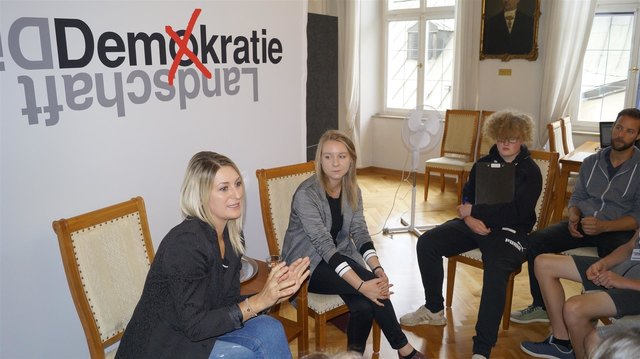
{"type": "Point", "coordinates": [410, 227]}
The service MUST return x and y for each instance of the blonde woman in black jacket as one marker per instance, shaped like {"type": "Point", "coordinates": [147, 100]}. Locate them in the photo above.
{"type": "Point", "coordinates": [191, 305]}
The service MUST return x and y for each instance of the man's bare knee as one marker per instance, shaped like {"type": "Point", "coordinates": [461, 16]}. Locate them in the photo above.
{"type": "Point", "coordinates": [542, 264]}
{"type": "Point", "coordinates": [575, 310]}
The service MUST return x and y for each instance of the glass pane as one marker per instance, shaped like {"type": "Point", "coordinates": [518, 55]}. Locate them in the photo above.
{"type": "Point", "coordinates": [606, 67]}
{"type": "Point", "coordinates": [436, 3]}
{"type": "Point", "coordinates": [402, 64]}
{"type": "Point", "coordinates": [404, 4]}
{"type": "Point", "coordinates": [439, 63]}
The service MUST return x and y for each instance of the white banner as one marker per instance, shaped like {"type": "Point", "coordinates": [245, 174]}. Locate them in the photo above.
{"type": "Point", "coordinates": [101, 101]}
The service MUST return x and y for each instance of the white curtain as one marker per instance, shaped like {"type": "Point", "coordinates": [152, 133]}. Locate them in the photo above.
{"type": "Point", "coordinates": [566, 35]}
{"type": "Point", "coordinates": [467, 54]}
{"type": "Point", "coordinates": [350, 38]}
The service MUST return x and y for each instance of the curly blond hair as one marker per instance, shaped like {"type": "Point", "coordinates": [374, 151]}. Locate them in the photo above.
{"type": "Point", "coordinates": [509, 124]}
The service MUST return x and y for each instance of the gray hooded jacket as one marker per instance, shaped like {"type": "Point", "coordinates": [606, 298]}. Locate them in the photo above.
{"type": "Point", "coordinates": [595, 194]}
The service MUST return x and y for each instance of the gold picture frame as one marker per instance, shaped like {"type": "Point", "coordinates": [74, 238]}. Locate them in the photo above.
{"type": "Point", "coordinates": [497, 41]}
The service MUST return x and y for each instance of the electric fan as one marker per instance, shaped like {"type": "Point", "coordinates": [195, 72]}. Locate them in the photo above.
{"type": "Point", "coordinates": [420, 133]}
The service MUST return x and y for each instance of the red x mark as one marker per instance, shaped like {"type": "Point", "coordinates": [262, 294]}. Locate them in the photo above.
{"type": "Point", "coordinates": [183, 49]}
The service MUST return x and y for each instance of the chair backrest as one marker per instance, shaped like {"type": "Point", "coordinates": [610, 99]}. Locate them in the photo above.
{"type": "Point", "coordinates": [484, 142]}
{"type": "Point", "coordinates": [106, 255]}
{"type": "Point", "coordinates": [460, 134]}
{"type": "Point", "coordinates": [567, 134]}
{"type": "Point", "coordinates": [277, 187]}
{"type": "Point", "coordinates": [548, 163]}
{"type": "Point", "coordinates": [555, 137]}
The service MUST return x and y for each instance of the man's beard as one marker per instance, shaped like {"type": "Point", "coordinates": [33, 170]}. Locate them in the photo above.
{"type": "Point", "coordinates": [624, 146]}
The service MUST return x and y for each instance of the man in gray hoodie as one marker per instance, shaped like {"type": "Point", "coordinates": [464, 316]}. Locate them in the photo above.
{"type": "Point", "coordinates": [604, 209]}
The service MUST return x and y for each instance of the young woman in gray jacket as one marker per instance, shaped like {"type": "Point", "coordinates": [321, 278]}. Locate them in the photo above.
{"type": "Point", "coordinates": [327, 224]}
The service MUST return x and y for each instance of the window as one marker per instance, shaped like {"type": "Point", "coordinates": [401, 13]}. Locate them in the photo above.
{"type": "Point", "coordinates": [419, 54]}
{"type": "Point", "coordinates": [609, 81]}
{"type": "Point", "coordinates": [415, 4]}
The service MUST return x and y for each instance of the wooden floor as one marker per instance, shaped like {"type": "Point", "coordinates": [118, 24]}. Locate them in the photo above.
{"type": "Point", "coordinates": [385, 195]}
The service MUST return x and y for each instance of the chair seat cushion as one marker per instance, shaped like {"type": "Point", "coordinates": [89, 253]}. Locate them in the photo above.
{"type": "Point", "coordinates": [467, 166]}
{"type": "Point", "coordinates": [584, 251]}
{"type": "Point", "coordinates": [473, 254]}
{"type": "Point", "coordinates": [447, 163]}
{"type": "Point", "coordinates": [322, 303]}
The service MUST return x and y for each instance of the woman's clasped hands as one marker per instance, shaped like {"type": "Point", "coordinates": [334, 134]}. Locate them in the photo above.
{"type": "Point", "coordinates": [284, 281]}
{"type": "Point", "coordinates": [377, 289]}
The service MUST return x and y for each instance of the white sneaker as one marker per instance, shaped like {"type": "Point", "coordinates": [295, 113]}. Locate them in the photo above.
{"type": "Point", "coordinates": [423, 316]}
{"type": "Point", "coordinates": [478, 356]}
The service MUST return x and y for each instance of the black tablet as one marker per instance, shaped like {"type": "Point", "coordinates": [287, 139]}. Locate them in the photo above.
{"type": "Point", "coordinates": [495, 182]}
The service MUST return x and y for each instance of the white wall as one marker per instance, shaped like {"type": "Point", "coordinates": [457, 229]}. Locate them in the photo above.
{"type": "Point", "coordinates": [371, 62]}
{"type": "Point", "coordinates": [92, 158]}
{"type": "Point", "coordinates": [388, 148]}
{"type": "Point", "coordinates": [519, 91]}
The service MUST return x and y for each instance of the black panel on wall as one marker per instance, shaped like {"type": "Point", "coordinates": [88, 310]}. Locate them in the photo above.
{"type": "Point", "coordinates": [322, 78]}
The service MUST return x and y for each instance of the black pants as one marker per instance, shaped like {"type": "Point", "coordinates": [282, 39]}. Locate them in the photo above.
{"type": "Point", "coordinates": [556, 238]}
{"type": "Point", "coordinates": [325, 280]}
{"type": "Point", "coordinates": [502, 252]}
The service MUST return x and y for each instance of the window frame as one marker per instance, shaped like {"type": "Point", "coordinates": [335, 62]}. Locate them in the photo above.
{"type": "Point", "coordinates": [421, 15]}
{"type": "Point", "coordinates": [632, 92]}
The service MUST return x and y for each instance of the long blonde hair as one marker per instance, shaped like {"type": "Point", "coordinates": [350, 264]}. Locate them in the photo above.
{"type": "Point", "coordinates": [196, 190]}
{"type": "Point", "coordinates": [349, 181]}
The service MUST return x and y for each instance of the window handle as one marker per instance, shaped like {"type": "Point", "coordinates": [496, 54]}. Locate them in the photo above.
{"type": "Point", "coordinates": [634, 69]}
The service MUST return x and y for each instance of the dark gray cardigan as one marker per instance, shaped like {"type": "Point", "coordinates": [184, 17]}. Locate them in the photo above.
{"type": "Point", "coordinates": [309, 228]}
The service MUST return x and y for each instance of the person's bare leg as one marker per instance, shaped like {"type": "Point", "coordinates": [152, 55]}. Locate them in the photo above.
{"type": "Point", "coordinates": [405, 350]}
{"type": "Point", "coordinates": [591, 341]}
{"type": "Point", "coordinates": [578, 313]}
{"type": "Point", "coordinates": [549, 269]}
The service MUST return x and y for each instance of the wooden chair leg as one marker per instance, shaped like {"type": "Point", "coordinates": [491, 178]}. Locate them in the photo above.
{"type": "Point", "coordinates": [451, 279]}
{"type": "Point", "coordinates": [303, 320]}
{"type": "Point", "coordinates": [321, 333]}
{"type": "Point", "coordinates": [376, 339]}
{"type": "Point", "coordinates": [506, 316]}
{"type": "Point", "coordinates": [459, 186]}
{"type": "Point", "coordinates": [426, 183]}
{"type": "Point", "coordinates": [442, 182]}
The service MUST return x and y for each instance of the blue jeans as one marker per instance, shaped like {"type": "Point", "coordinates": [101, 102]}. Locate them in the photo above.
{"type": "Point", "coordinates": [261, 337]}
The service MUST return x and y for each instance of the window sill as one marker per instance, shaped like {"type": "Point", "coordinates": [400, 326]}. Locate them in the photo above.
{"type": "Point", "coordinates": [585, 132]}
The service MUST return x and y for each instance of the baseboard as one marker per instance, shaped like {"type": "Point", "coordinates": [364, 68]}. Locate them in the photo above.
{"type": "Point", "coordinates": [399, 174]}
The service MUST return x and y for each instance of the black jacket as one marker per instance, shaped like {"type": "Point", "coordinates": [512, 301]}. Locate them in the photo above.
{"type": "Point", "coordinates": [518, 214]}
{"type": "Point", "coordinates": [188, 299]}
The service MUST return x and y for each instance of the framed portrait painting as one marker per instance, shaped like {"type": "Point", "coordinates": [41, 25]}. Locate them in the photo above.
{"type": "Point", "coordinates": [509, 29]}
